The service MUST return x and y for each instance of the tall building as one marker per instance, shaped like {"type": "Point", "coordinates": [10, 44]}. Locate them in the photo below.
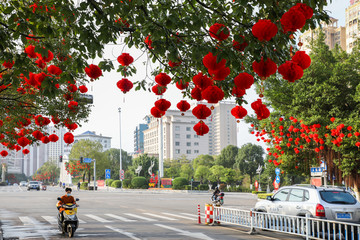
{"type": "Point", "coordinates": [179, 138]}
{"type": "Point", "coordinates": [352, 18]}
{"type": "Point", "coordinates": [139, 138]}
{"type": "Point", "coordinates": [334, 35]}
{"type": "Point", "coordinates": [55, 149]}
{"type": "Point", "coordinates": [89, 135]}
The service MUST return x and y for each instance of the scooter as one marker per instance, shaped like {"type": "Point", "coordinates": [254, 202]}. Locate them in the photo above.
{"type": "Point", "coordinates": [219, 200]}
{"type": "Point", "coordinates": [70, 222]}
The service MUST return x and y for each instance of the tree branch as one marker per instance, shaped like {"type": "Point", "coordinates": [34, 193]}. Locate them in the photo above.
{"type": "Point", "coordinates": [22, 34]}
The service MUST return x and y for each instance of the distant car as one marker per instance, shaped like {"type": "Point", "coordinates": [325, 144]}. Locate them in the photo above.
{"type": "Point", "coordinates": [15, 184]}
{"type": "Point", "coordinates": [319, 202]}
{"type": "Point", "coordinates": [23, 184]}
{"type": "Point", "coordinates": [33, 185]}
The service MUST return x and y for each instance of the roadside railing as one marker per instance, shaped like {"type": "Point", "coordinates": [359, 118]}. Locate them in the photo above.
{"type": "Point", "coordinates": [307, 227]}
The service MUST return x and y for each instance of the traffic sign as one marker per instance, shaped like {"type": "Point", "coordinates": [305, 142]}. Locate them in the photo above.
{"type": "Point", "coordinates": [316, 171]}
{"type": "Point", "coordinates": [276, 185]}
{"type": "Point", "coordinates": [256, 184]}
{"type": "Point", "coordinates": [277, 171]}
{"type": "Point", "coordinates": [107, 173]}
{"type": "Point", "coordinates": [122, 174]}
{"type": "Point", "coordinates": [87, 160]}
{"type": "Point", "coordinates": [277, 179]}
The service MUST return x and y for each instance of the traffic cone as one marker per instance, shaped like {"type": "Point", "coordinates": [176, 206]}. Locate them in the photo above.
{"type": "Point", "coordinates": [199, 221]}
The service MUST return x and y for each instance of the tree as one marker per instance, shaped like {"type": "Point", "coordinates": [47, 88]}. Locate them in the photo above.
{"type": "Point", "coordinates": [145, 162]}
{"type": "Point", "coordinates": [202, 173]}
{"type": "Point", "coordinates": [217, 171]}
{"type": "Point", "coordinates": [204, 160]}
{"type": "Point", "coordinates": [227, 156]}
{"type": "Point", "coordinates": [62, 37]}
{"type": "Point", "coordinates": [249, 158]}
{"type": "Point", "coordinates": [48, 172]}
{"type": "Point", "coordinates": [187, 171]}
{"type": "Point", "coordinates": [229, 176]}
{"type": "Point", "coordinates": [113, 158]}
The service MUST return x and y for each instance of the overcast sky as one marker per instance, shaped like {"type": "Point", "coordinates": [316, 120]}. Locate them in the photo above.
{"type": "Point", "coordinates": [135, 105]}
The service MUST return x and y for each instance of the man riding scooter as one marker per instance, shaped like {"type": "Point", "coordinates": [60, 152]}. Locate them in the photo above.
{"type": "Point", "coordinates": [67, 198]}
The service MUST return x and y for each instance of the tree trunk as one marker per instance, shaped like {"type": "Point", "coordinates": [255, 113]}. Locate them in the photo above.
{"type": "Point", "coordinates": [356, 186]}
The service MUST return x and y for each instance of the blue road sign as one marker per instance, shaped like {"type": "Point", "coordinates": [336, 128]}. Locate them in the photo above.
{"type": "Point", "coordinates": [277, 171]}
{"type": "Point", "coordinates": [107, 173]}
{"type": "Point", "coordinates": [316, 169]}
{"type": "Point", "coordinates": [87, 160]}
{"type": "Point", "coordinates": [277, 179]}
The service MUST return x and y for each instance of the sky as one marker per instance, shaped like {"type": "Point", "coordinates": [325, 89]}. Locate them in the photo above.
{"type": "Point", "coordinates": [135, 105]}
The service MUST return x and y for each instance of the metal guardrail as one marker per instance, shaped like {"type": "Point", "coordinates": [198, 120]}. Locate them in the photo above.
{"type": "Point", "coordinates": [307, 227]}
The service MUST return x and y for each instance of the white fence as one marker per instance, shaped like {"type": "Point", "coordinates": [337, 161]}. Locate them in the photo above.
{"type": "Point", "coordinates": [307, 227]}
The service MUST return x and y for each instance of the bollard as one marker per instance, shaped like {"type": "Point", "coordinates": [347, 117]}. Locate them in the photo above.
{"type": "Point", "coordinates": [199, 221]}
{"type": "Point", "coordinates": [209, 213]}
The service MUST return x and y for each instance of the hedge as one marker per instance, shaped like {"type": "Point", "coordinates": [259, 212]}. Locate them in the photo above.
{"type": "Point", "coordinates": [188, 187]}
{"type": "Point", "coordinates": [180, 183]}
{"type": "Point", "coordinates": [257, 192]}
{"type": "Point", "coordinates": [139, 182]}
{"type": "Point", "coordinates": [116, 184]}
{"type": "Point", "coordinates": [84, 185]}
{"type": "Point", "coordinates": [126, 183]}
{"type": "Point", "coordinates": [109, 182]}
{"type": "Point", "coordinates": [203, 187]}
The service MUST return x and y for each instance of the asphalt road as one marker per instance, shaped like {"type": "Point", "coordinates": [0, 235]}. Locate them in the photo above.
{"type": "Point", "coordinates": [137, 214]}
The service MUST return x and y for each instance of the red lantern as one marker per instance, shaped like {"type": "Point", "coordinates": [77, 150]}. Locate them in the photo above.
{"type": "Point", "coordinates": [45, 139]}
{"type": "Point", "coordinates": [202, 81]}
{"type": "Point", "coordinates": [181, 84]}
{"type": "Point", "coordinates": [201, 128]}
{"type": "Point", "coordinates": [53, 138]}
{"type": "Point", "coordinates": [48, 58]}
{"type": "Point", "coordinates": [93, 71]}
{"type": "Point", "coordinates": [68, 138]}
{"type": "Point", "coordinates": [302, 59]}
{"type": "Point", "coordinates": [37, 134]}
{"type": "Point", "coordinates": [196, 94]}
{"type": "Point", "coordinates": [244, 80]}
{"type": "Point", "coordinates": [238, 92]}
{"type": "Point", "coordinates": [260, 109]}
{"type": "Point", "coordinates": [264, 68]}
{"type": "Point", "coordinates": [210, 62]}
{"type": "Point", "coordinates": [148, 42]}
{"type": "Point", "coordinates": [238, 112]}
{"type": "Point", "coordinates": [183, 106]}
{"type": "Point", "coordinates": [23, 141]}
{"type": "Point", "coordinates": [8, 64]}
{"type": "Point", "coordinates": [25, 151]}
{"type": "Point", "coordinates": [162, 79]}
{"type": "Point", "coordinates": [291, 71]}
{"type": "Point", "coordinates": [213, 94]}
{"type": "Point", "coordinates": [4, 153]}
{"type": "Point", "coordinates": [304, 9]}
{"type": "Point", "coordinates": [124, 85]}
{"type": "Point", "coordinates": [83, 89]}
{"type": "Point", "coordinates": [201, 111]}
{"type": "Point", "coordinates": [219, 31]}
{"type": "Point", "coordinates": [125, 59]}
{"type": "Point", "coordinates": [30, 51]}
{"type": "Point", "coordinates": [162, 104]}
{"type": "Point", "coordinates": [158, 90]}
{"type": "Point", "coordinates": [220, 74]}
{"type": "Point", "coordinates": [264, 30]}
{"type": "Point", "coordinates": [72, 88]}
{"type": "Point", "coordinates": [156, 112]}
{"type": "Point", "coordinates": [292, 20]}
{"type": "Point", "coordinates": [240, 46]}
{"type": "Point", "coordinates": [52, 69]}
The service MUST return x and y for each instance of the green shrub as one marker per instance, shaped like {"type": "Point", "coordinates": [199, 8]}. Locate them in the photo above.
{"type": "Point", "coordinates": [84, 185]}
{"type": "Point", "coordinates": [203, 187]}
{"type": "Point", "coordinates": [109, 182]}
{"type": "Point", "coordinates": [264, 195]}
{"type": "Point", "coordinates": [257, 192]}
{"type": "Point", "coordinates": [139, 182]}
{"type": "Point", "coordinates": [188, 187]}
{"type": "Point", "coordinates": [180, 183]}
{"type": "Point", "coordinates": [242, 189]}
{"type": "Point", "coordinates": [116, 184]}
{"type": "Point", "coordinates": [126, 183]}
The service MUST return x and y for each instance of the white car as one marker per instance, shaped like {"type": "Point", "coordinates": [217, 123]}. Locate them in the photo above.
{"type": "Point", "coordinates": [23, 184]}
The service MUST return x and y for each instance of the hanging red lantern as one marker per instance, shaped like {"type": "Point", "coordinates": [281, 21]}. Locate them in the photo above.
{"type": "Point", "coordinates": [220, 74]}
{"type": "Point", "coordinates": [302, 59]}
{"type": "Point", "coordinates": [52, 69]}
{"type": "Point", "coordinates": [292, 20]}
{"type": "Point", "coordinates": [158, 89]}
{"type": "Point", "coordinates": [8, 64]}
{"type": "Point", "coordinates": [124, 85]}
{"type": "Point", "coordinates": [45, 139]}
{"type": "Point", "coordinates": [93, 71]}
{"type": "Point", "coordinates": [244, 80]}
{"type": "Point", "coordinates": [264, 68]}
{"type": "Point", "coordinates": [183, 106]}
{"type": "Point", "coordinates": [23, 141]}
{"type": "Point", "coordinates": [156, 112]}
{"type": "Point", "coordinates": [4, 153]}
{"type": "Point", "coordinates": [238, 112]}
{"type": "Point", "coordinates": [291, 71]}
{"type": "Point", "coordinates": [264, 30]}
{"type": "Point", "coordinates": [30, 51]}
{"type": "Point", "coordinates": [201, 128]}
{"type": "Point", "coordinates": [213, 94]}
{"type": "Point", "coordinates": [162, 104]}
{"type": "Point", "coordinates": [182, 84]}
{"type": "Point", "coordinates": [53, 138]}
{"type": "Point", "coordinates": [48, 58]}
{"type": "Point", "coordinates": [196, 94]}
{"type": "Point", "coordinates": [238, 92]}
{"type": "Point", "coordinates": [37, 134]}
{"type": "Point", "coordinates": [25, 151]}
{"type": "Point", "coordinates": [125, 59]}
{"type": "Point", "coordinates": [68, 138]}
{"type": "Point", "coordinates": [304, 9]}
{"type": "Point", "coordinates": [72, 88]}
{"type": "Point", "coordinates": [201, 111]}
{"type": "Point", "coordinates": [219, 31]}
{"type": "Point", "coordinates": [210, 62]}
{"type": "Point", "coordinates": [202, 81]}
{"type": "Point", "coordinates": [240, 46]}
{"type": "Point", "coordinates": [83, 89]}
{"type": "Point", "coordinates": [260, 109]}
{"type": "Point", "coordinates": [162, 79]}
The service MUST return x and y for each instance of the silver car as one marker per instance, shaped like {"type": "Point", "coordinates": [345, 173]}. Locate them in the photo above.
{"type": "Point", "coordinates": [320, 202]}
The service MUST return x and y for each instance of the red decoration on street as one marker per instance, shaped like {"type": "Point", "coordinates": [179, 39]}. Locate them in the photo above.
{"type": "Point", "coordinates": [244, 80]}
{"type": "Point", "coordinates": [201, 111]}
{"type": "Point", "coordinates": [201, 128]}
{"type": "Point", "coordinates": [219, 31]}
{"type": "Point", "coordinates": [202, 81]}
{"type": "Point", "coordinates": [304, 9]}
{"type": "Point", "coordinates": [162, 104]}
{"type": "Point", "coordinates": [93, 71]}
{"type": "Point", "coordinates": [124, 85]}
{"type": "Point", "coordinates": [210, 62]}
{"type": "Point", "coordinates": [23, 141]}
{"type": "Point", "coordinates": [8, 64]}
{"type": "Point", "coordinates": [181, 84]}
{"type": "Point", "coordinates": [292, 20]}
{"type": "Point", "coordinates": [196, 94]}
{"type": "Point", "coordinates": [125, 59]}
{"type": "Point", "coordinates": [41, 121]}
{"type": "Point", "coordinates": [53, 138]}
{"type": "Point", "coordinates": [220, 74]}
{"type": "Point", "coordinates": [158, 90]}
{"type": "Point", "coordinates": [52, 69]}
{"type": "Point", "coordinates": [238, 112]}
{"type": "Point", "coordinates": [83, 89]}
{"type": "Point", "coordinates": [72, 88]}
{"type": "Point", "coordinates": [238, 92]}
{"type": "Point", "coordinates": [37, 134]}
{"type": "Point", "coordinates": [45, 139]}
{"type": "Point", "coordinates": [183, 106]}
{"type": "Point", "coordinates": [162, 79]}
{"type": "Point", "coordinates": [4, 153]}
{"type": "Point", "coordinates": [25, 151]}
{"type": "Point", "coordinates": [291, 71]}
{"type": "Point", "coordinates": [260, 109]}
{"type": "Point", "coordinates": [264, 30]}
{"type": "Point", "coordinates": [213, 94]}
{"type": "Point", "coordinates": [302, 59]}
{"type": "Point", "coordinates": [68, 138]}
{"type": "Point", "coordinates": [156, 112]}
{"type": "Point", "coordinates": [240, 46]}
{"type": "Point", "coordinates": [264, 68]}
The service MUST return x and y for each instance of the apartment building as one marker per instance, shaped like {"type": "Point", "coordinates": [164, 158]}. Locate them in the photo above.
{"type": "Point", "coordinates": [352, 18]}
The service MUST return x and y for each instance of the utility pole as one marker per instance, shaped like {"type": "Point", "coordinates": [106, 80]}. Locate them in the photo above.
{"type": "Point", "coordinates": [94, 174]}
{"type": "Point", "coordinates": [119, 109]}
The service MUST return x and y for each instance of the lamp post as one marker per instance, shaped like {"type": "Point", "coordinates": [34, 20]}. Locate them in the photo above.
{"type": "Point", "coordinates": [119, 109]}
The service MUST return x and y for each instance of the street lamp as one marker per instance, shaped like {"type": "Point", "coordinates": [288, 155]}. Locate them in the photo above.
{"type": "Point", "coordinates": [119, 109]}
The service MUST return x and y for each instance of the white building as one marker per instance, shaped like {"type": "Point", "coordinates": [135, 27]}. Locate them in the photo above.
{"type": "Point", "coordinates": [55, 149]}
{"type": "Point", "coordinates": [352, 18]}
{"type": "Point", "coordinates": [181, 139]}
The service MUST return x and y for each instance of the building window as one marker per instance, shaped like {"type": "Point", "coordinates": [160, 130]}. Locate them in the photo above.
{"type": "Point", "coordinates": [188, 128]}
{"type": "Point", "coordinates": [188, 151]}
{"type": "Point", "coordinates": [177, 128]}
{"type": "Point", "coordinates": [177, 151]}
{"type": "Point", "coordinates": [177, 135]}
{"type": "Point", "coordinates": [196, 136]}
{"type": "Point", "coordinates": [188, 144]}
{"type": "Point", "coordinates": [196, 151]}
{"type": "Point", "coordinates": [177, 143]}
{"type": "Point", "coordinates": [196, 143]}
{"type": "Point", "coordinates": [188, 136]}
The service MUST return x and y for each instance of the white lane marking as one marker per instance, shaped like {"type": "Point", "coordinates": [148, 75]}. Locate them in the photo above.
{"type": "Point", "coordinates": [50, 219]}
{"type": "Point", "coordinates": [120, 218]}
{"type": "Point", "coordinates": [188, 214]}
{"type": "Point", "coordinates": [186, 233]}
{"type": "Point", "coordinates": [158, 216]}
{"type": "Point", "coordinates": [174, 215]}
{"type": "Point", "coordinates": [81, 221]}
{"type": "Point", "coordinates": [140, 217]}
{"type": "Point", "coordinates": [130, 235]}
{"type": "Point", "coordinates": [27, 221]}
{"type": "Point", "coordinates": [97, 218]}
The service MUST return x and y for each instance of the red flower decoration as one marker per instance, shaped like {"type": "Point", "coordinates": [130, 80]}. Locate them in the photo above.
{"type": "Point", "coordinates": [37, 134]}
{"type": "Point", "coordinates": [201, 128]}
{"type": "Point", "coordinates": [196, 94]}
{"type": "Point", "coordinates": [183, 106]}
{"type": "Point", "coordinates": [292, 20]}
{"type": "Point", "coordinates": [213, 94]}
{"type": "Point", "coordinates": [240, 46]}
{"type": "Point", "coordinates": [244, 80]}
{"type": "Point", "coordinates": [156, 112]}
{"type": "Point", "coordinates": [181, 84]}
{"type": "Point", "coordinates": [125, 59]}
{"type": "Point", "coordinates": [52, 69]}
{"type": "Point", "coordinates": [162, 79]}
{"type": "Point", "coordinates": [304, 9]}
{"type": "Point", "coordinates": [53, 138]}
{"type": "Point", "coordinates": [202, 81]}
{"type": "Point", "coordinates": [93, 71]}
{"type": "Point", "coordinates": [30, 51]}
{"type": "Point", "coordinates": [302, 59]}
{"type": "Point", "coordinates": [264, 68]}
{"type": "Point", "coordinates": [55, 120]}
{"type": "Point", "coordinates": [238, 112]}
{"type": "Point", "coordinates": [219, 31]}
{"type": "Point", "coordinates": [83, 89]}
{"type": "Point", "coordinates": [220, 74]}
{"type": "Point", "coordinates": [291, 71]}
{"type": "Point", "coordinates": [201, 111]}
{"type": "Point", "coordinates": [148, 42]}
{"type": "Point", "coordinates": [68, 138]}
{"type": "Point", "coordinates": [238, 92]}
{"type": "Point", "coordinates": [264, 30]}
{"type": "Point", "coordinates": [124, 85]}
{"type": "Point", "coordinates": [158, 90]}
{"type": "Point", "coordinates": [72, 105]}
{"type": "Point", "coordinates": [41, 121]}
{"type": "Point", "coordinates": [210, 62]}
{"type": "Point", "coordinates": [4, 153]}
{"type": "Point", "coordinates": [23, 141]}
{"type": "Point", "coordinates": [8, 64]}
{"type": "Point", "coordinates": [72, 88]}
{"type": "Point", "coordinates": [162, 104]}
{"type": "Point", "coordinates": [260, 109]}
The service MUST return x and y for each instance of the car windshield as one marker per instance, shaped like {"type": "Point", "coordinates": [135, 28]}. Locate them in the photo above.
{"type": "Point", "coordinates": [34, 182]}
{"type": "Point", "coordinates": [337, 197]}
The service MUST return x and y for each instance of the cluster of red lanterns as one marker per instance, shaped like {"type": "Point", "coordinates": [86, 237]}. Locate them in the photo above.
{"type": "Point", "coordinates": [125, 85]}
